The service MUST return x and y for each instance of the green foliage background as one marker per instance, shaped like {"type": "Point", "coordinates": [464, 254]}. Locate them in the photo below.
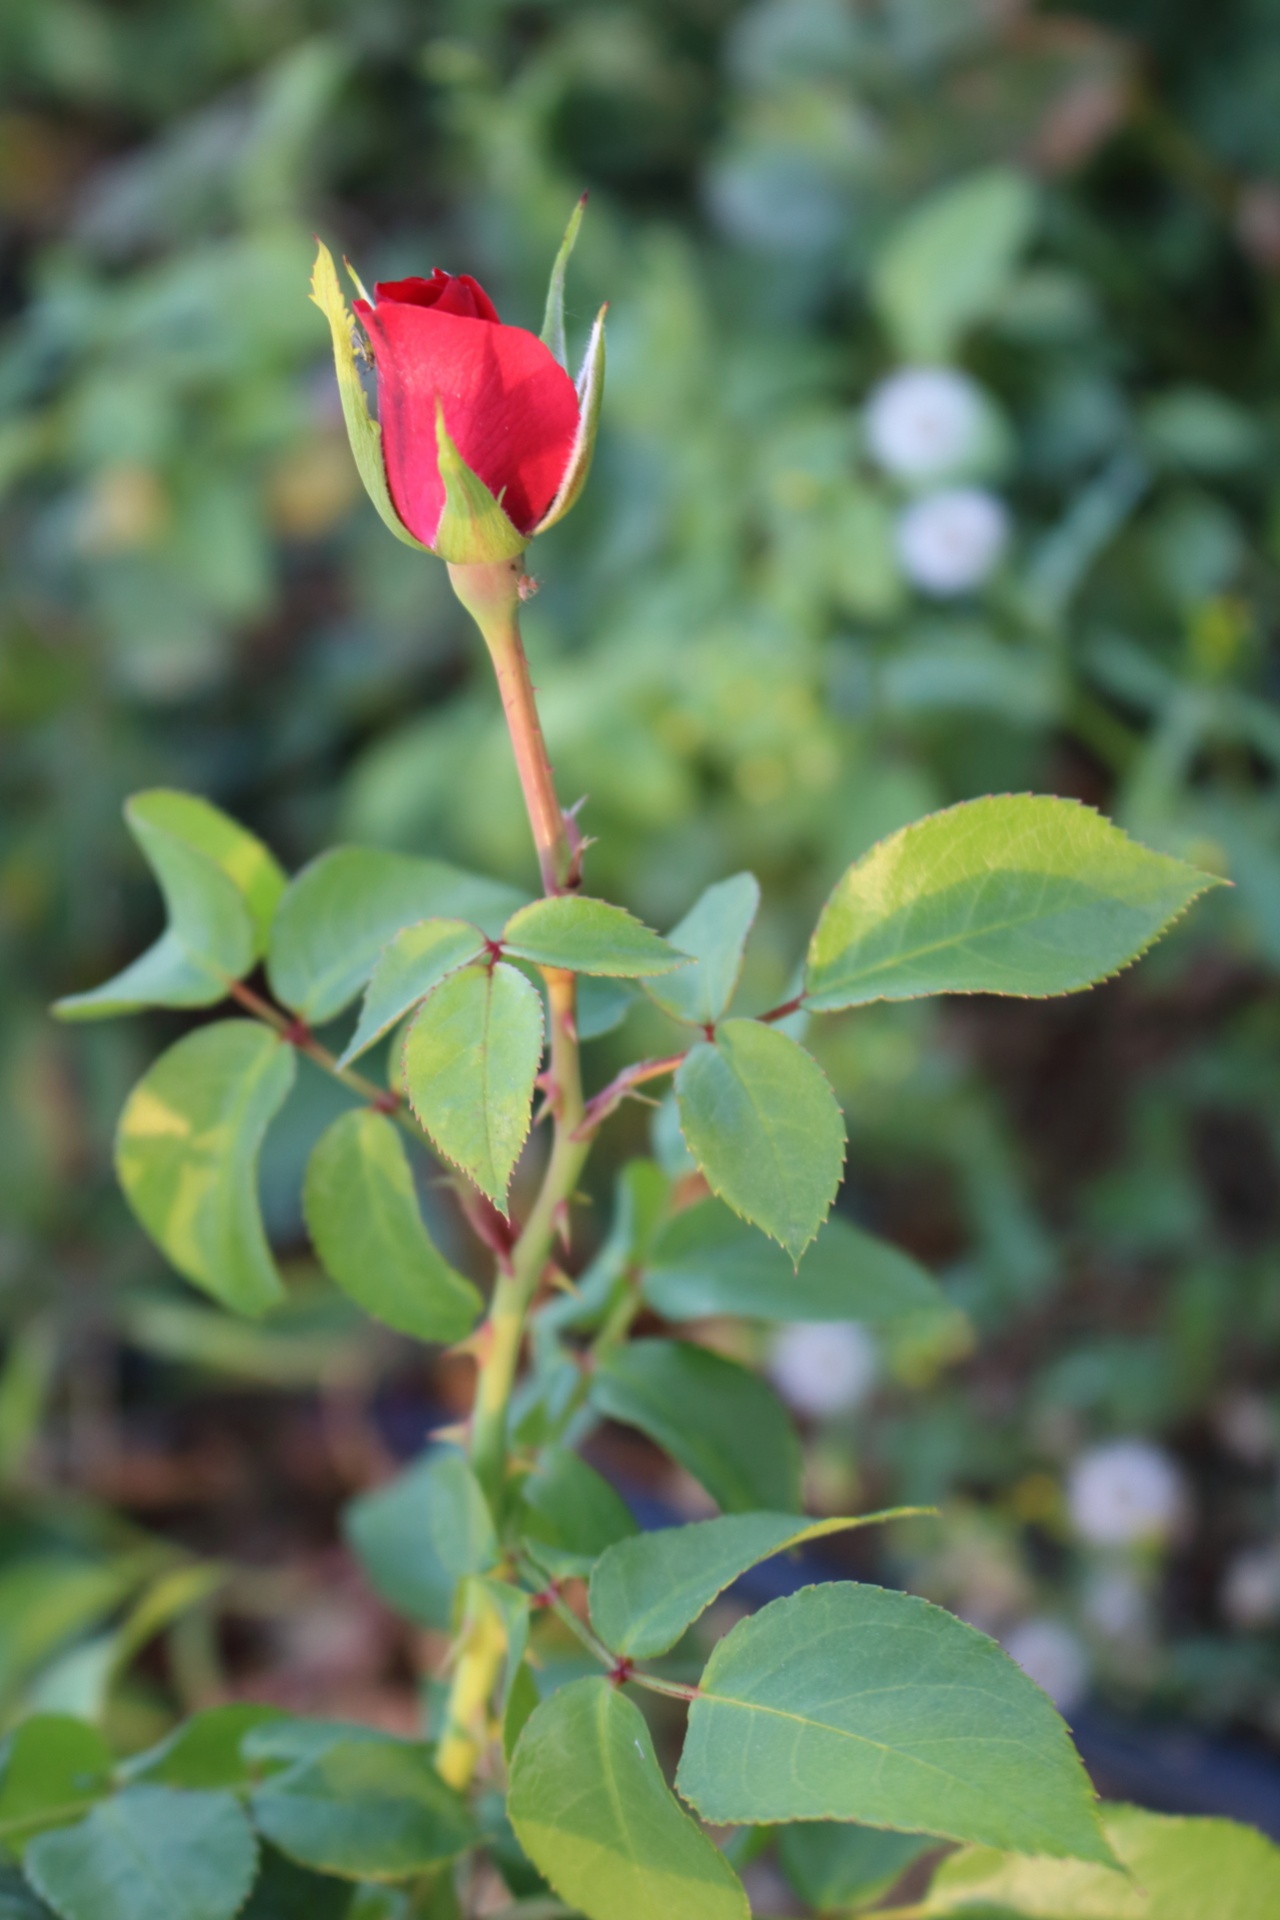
{"type": "Point", "coordinates": [194, 593]}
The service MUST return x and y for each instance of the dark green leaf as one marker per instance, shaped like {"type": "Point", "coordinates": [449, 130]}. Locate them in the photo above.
{"type": "Point", "coordinates": [205, 1751]}
{"type": "Point", "coordinates": [470, 1061]}
{"type": "Point", "coordinates": [835, 1866]}
{"type": "Point", "coordinates": [587, 936]}
{"type": "Point", "coordinates": [571, 1513]}
{"type": "Point", "coordinates": [645, 1592]}
{"type": "Point", "coordinates": [722, 1424]}
{"type": "Point", "coordinates": [187, 1156]}
{"type": "Point", "coordinates": [286, 1891]}
{"type": "Point", "coordinates": [343, 909]}
{"type": "Point", "coordinates": [715, 932]}
{"type": "Point", "coordinates": [760, 1119]}
{"type": "Point", "coordinates": [151, 1853]}
{"type": "Point", "coordinates": [366, 1810]}
{"type": "Point", "coordinates": [592, 1811]}
{"type": "Point", "coordinates": [52, 1769]}
{"type": "Point", "coordinates": [18, 1901]}
{"type": "Point", "coordinates": [1015, 893]}
{"type": "Point", "coordinates": [847, 1702]}
{"type": "Point", "coordinates": [704, 1261]}
{"type": "Point", "coordinates": [422, 1534]}
{"type": "Point", "coordinates": [362, 1214]}
{"type": "Point", "coordinates": [417, 959]}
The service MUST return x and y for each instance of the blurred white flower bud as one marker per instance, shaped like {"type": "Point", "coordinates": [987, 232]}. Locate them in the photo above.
{"type": "Point", "coordinates": [950, 541]}
{"type": "Point", "coordinates": [1116, 1607]}
{"type": "Point", "coordinates": [823, 1368]}
{"type": "Point", "coordinates": [923, 422]}
{"type": "Point", "coordinates": [1251, 1587]}
{"type": "Point", "coordinates": [1125, 1492]}
{"type": "Point", "coordinates": [1053, 1656]}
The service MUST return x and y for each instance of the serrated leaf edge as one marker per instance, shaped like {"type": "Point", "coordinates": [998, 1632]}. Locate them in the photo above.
{"type": "Point", "coordinates": [1211, 880]}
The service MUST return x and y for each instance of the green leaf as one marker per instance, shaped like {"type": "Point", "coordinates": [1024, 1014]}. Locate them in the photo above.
{"type": "Point", "coordinates": [419, 1536]}
{"type": "Point", "coordinates": [364, 1809]}
{"type": "Point", "coordinates": [47, 1598]}
{"type": "Point", "coordinates": [715, 932]}
{"type": "Point", "coordinates": [363, 430]}
{"type": "Point", "coordinates": [187, 1156]}
{"type": "Point", "coordinates": [587, 936]}
{"type": "Point", "coordinates": [1177, 1869]}
{"type": "Point", "coordinates": [417, 959]}
{"type": "Point", "coordinates": [552, 334]}
{"type": "Point", "coordinates": [705, 1262]}
{"type": "Point", "coordinates": [571, 1514]}
{"type": "Point", "coordinates": [220, 888]}
{"type": "Point", "coordinates": [473, 530]}
{"type": "Point", "coordinates": [759, 1117]}
{"type": "Point", "coordinates": [362, 1214]}
{"type": "Point", "coordinates": [17, 1901]}
{"type": "Point", "coordinates": [723, 1424]}
{"type": "Point", "coordinates": [1015, 893]}
{"type": "Point", "coordinates": [592, 1811]}
{"type": "Point", "coordinates": [342, 910]}
{"type": "Point", "coordinates": [470, 1060]}
{"type": "Point", "coordinates": [285, 1891]}
{"type": "Point", "coordinates": [151, 1853]}
{"type": "Point", "coordinates": [835, 1866]}
{"type": "Point", "coordinates": [52, 1769]}
{"type": "Point", "coordinates": [205, 1751]}
{"type": "Point", "coordinates": [847, 1702]}
{"type": "Point", "coordinates": [647, 1591]}
{"type": "Point", "coordinates": [946, 264]}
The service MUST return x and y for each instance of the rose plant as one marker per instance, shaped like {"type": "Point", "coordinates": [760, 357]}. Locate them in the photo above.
{"type": "Point", "coordinates": [867, 1726]}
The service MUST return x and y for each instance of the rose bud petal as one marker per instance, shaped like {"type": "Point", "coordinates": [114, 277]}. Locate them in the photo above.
{"type": "Point", "coordinates": [509, 407]}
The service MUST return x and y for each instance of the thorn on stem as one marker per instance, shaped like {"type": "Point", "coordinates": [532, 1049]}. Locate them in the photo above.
{"type": "Point", "coordinates": [388, 1101]}
{"type": "Point", "coordinates": [296, 1034]}
{"type": "Point", "coordinates": [621, 1672]}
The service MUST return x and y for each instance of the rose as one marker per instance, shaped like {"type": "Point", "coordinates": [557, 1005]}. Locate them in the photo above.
{"type": "Point", "coordinates": [482, 439]}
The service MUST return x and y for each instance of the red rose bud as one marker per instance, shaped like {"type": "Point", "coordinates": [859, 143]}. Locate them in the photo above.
{"type": "Point", "coordinates": [482, 438]}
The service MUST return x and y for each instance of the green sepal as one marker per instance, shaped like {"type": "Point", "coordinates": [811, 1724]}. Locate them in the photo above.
{"type": "Point", "coordinates": [553, 321]}
{"type": "Point", "coordinates": [363, 430]}
{"type": "Point", "coordinates": [473, 531]}
{"type": "Point", "coordinates": [590, 385]}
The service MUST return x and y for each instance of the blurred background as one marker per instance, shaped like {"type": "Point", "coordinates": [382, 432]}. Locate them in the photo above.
{"type": "Point", "coordinates": [939, 456]}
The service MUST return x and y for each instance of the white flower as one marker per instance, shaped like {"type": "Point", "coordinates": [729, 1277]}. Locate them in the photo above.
{"type": "Point", "coordinates": [1053, 1656]}
{"type": "Point", "coordinates": [823, 1368]}
{"type": "Point", "coordinates": [923, 422]}
{"type": "Point", "coordinates": [1124, 1492]}
{"type": "Point", "coordinates": [948, 542]}
{"type": "Point", "coordinates": [1251, 1587]}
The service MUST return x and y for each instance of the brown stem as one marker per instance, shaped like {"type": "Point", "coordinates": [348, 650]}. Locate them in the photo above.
{"type": "Point", "coordinates": [491, 596]}
{"type": "Point", "coordinates": [610, 1098]}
